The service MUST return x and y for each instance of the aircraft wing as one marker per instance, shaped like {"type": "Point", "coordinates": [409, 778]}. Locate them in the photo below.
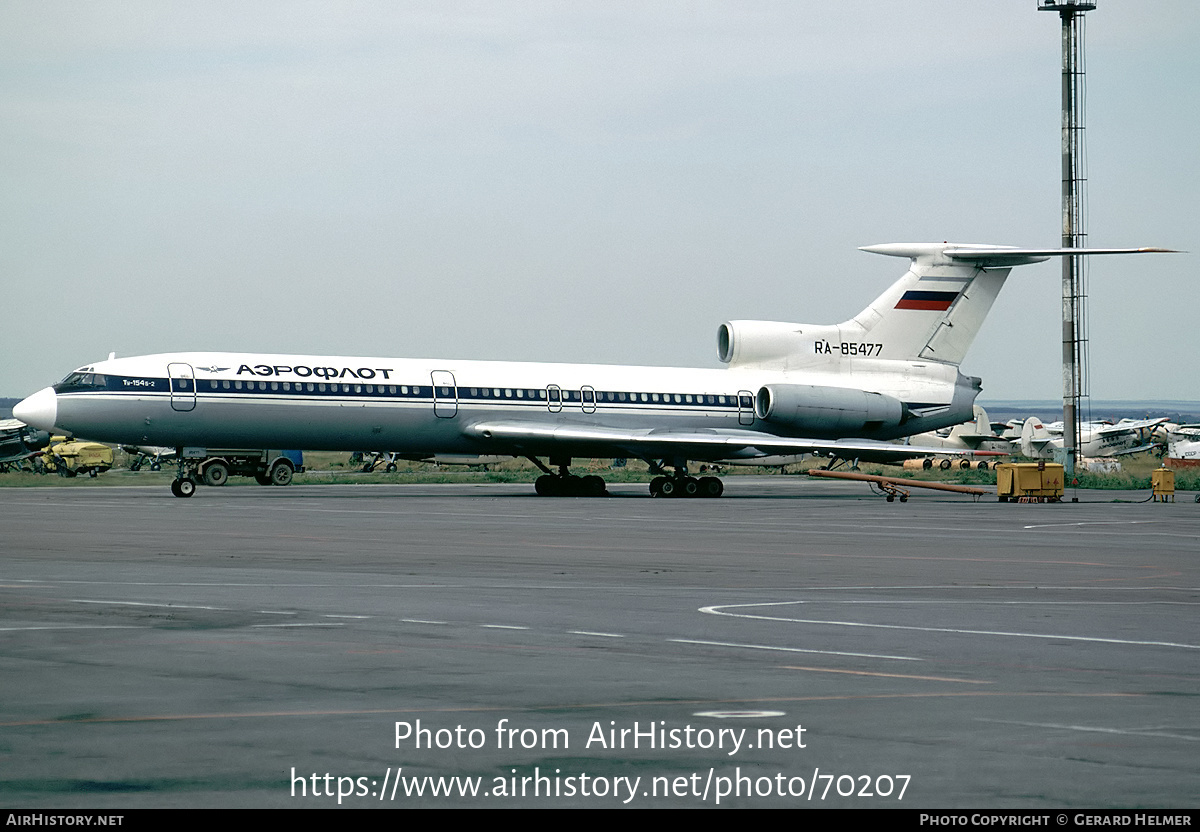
{"type": "Point", "coordinates": [710, 445]}
{"type": "Point", "coordinates": [975, 440]}
{"type": "Point", "coordinates": [1149, 446]}
{"type": "Point", "coordinates": [1129, 426]}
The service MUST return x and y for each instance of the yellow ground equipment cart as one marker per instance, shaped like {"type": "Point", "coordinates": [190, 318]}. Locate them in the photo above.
{"type": "Point", "coordinates": [1029, 482]}
{"type": "Point", "coordinates": [1162, 480]}
{"type": "Point", "coordinates": [70, 458]}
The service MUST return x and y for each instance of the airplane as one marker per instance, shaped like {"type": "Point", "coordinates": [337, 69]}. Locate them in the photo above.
{"type": "Point", "coordinates": [1096, 440]}
{"type": "Point", "coordinates": [149, 455]}
{"type": "Point", "coordinates": [976, 435]}
{"type": "Point", "coordinates": [371, 460]}
{"type": "Point", "coordinates": [845, 390]}
{"type": "Point", "coordinates": [19, 442]}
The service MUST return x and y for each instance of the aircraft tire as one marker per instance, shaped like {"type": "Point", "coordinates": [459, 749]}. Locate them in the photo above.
{"type": "Point", "coordinates": [711, 487]}
{"type": "Point", "coordinates": [391, 468]}
{"type": "Point", "coordinates": [216, 473]}
{"type": "Point", "coordinates": [593, 486]}
{"type": "Point", "coordinates": [183, 487]}
{"type": "Point", "coordinates": [546, 486]}
{"type": "Point", "coordinates": [155, 466]}
{"type": "Point", "coordinates": [281, 474]}
{"type": "Point", "coordinates": [668, 488]}
{"type": "Point", "coordinates": [690, 487]}
{"type": "Point", "coordinates": [656, 486]}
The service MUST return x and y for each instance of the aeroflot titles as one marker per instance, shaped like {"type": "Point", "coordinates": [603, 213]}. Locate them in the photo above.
{"type": "Point", "coordinates": [320, 372]}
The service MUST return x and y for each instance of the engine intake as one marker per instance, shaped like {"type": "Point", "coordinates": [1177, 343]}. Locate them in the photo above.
{"type": "Point", "coordinates": [745, 343]}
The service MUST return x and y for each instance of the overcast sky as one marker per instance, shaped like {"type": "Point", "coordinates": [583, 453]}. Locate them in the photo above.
{"type": "Point", "coordinates": [578, 181]}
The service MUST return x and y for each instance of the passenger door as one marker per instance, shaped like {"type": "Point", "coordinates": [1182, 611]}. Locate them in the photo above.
{"type": "Point", "coordinates": [182, 379]}
{"type": "Point", "coordinates": [445, 394]}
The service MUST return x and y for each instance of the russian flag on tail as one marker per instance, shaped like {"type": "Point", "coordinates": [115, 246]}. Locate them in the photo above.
{"type": "Point", "coordinates": [936, 301]}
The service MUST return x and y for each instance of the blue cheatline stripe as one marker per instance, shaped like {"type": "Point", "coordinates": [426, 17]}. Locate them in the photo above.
{"type": "Point", "coordinates": [410, 392]}
{"type": "Point", "coordinates": [423, 394]}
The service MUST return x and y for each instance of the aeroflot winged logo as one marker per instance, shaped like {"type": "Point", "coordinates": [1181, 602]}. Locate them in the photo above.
{"type": "Point", "coordinates": [936, 301]}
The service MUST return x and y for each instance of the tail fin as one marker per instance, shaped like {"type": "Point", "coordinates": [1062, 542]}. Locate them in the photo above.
{"type": "Point", "coordinates": [1034, 438]}
{"type": "Point", "coordinates": [977, 430]}
{"type": "Point", "coordinates": [935, 311]}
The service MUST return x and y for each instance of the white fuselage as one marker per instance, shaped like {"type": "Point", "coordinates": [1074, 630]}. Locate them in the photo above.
{"type": "Point", "coordinates": [425, 406]}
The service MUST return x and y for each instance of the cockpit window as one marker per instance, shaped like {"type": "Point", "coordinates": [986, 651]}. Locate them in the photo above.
{"type": "Point", "coordinates": [80, 381]}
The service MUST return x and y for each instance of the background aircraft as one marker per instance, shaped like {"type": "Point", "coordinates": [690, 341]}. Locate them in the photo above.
{"type": "Point", "coordinates": [1128, 436]}
{"type": "Point", "coordinates": [19, 442]}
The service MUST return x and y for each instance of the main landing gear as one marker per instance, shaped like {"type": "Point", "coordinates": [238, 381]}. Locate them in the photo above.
{"type": "Point", "coordinates": [685, 486]}
{"type": "Point", "coordinates": [564, 483]}
{"type": "Point", "coordinates": [681, 484]}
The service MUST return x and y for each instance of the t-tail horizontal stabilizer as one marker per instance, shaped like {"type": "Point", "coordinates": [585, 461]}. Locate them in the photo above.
{"type": "Point", "coordinates": [935, 311]}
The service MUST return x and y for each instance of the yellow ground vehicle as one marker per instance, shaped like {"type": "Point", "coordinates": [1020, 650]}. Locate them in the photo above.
{"type": "Point", "coordinates": [70, 458]}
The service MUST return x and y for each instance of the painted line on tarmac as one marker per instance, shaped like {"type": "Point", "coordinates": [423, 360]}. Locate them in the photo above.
{"type": "Point", "coordinates": [148, 604]}
{"type": "Point", "coordinates": [891, 675]}
{"type": "Point", "coordinates": [793, 649]}
{"type": "Point", "coordinates": [1094, 729]}
{"type": "Point", "coordinates": [719, 610]}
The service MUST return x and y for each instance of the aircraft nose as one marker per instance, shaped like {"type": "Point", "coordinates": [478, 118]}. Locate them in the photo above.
{"type": "Point", "coordinates": [39, 410]}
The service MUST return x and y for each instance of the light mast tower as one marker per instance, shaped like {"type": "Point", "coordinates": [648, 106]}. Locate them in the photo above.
{"type": "Point", "coordinates": [1074, 294]}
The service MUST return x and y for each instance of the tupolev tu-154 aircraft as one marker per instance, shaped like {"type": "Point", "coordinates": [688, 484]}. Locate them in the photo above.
{"type": "Point", "coordinates": [841, 390]}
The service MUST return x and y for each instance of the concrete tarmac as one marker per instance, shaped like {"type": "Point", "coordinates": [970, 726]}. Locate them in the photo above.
{"type": "Point", "coordinates": [795, 643]}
